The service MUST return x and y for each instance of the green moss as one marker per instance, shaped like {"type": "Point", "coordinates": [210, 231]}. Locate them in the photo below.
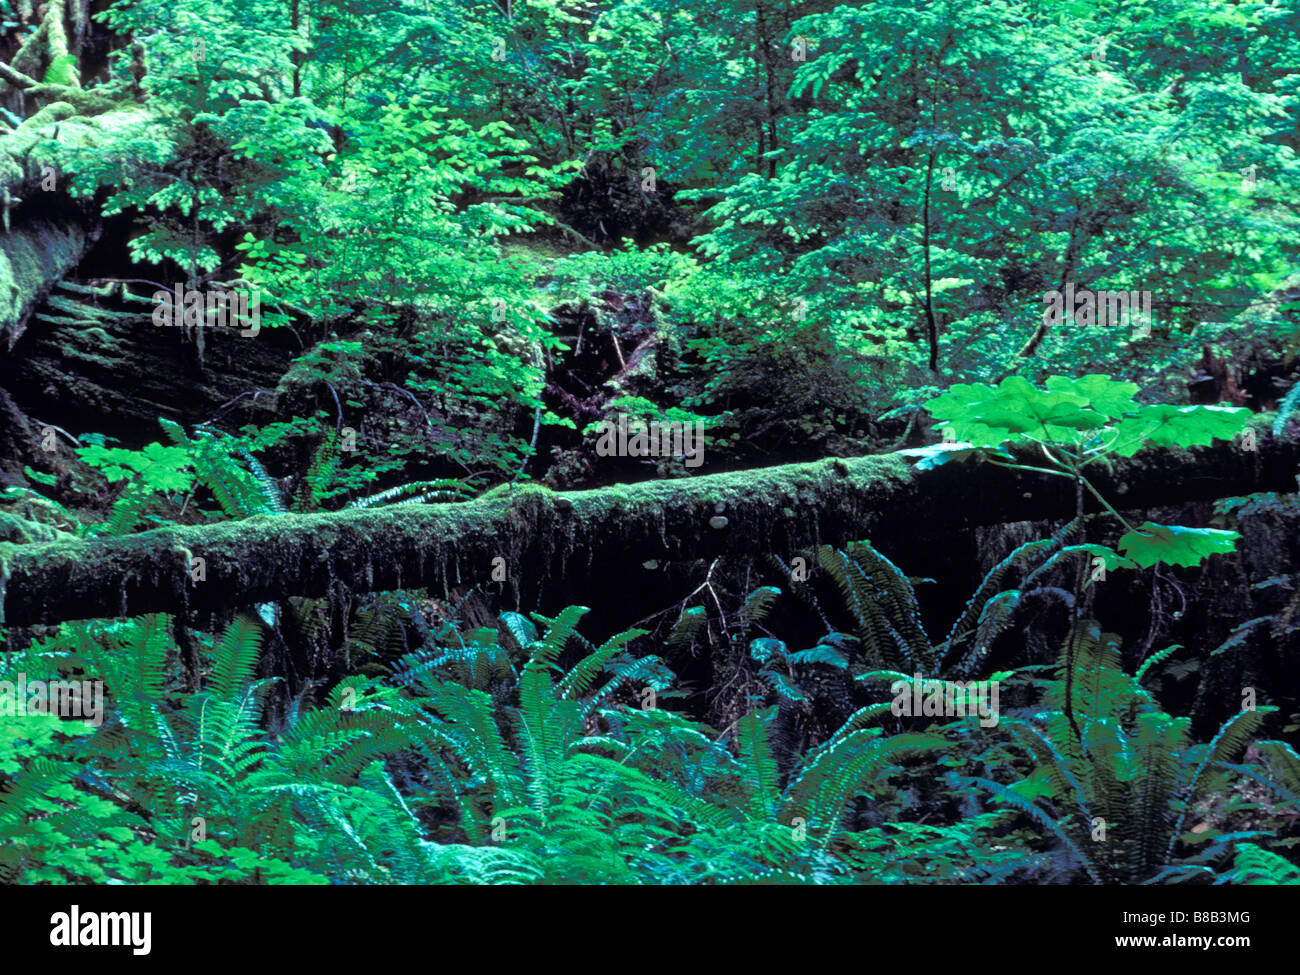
{"type": "Point", "coordinates": [10, 172]}
{"type": "Point", "coordinates": [29, 259]}
{"type": "Point", "coordinates": [535, 529]}
{"type": "Point", "coordinates": [20, 531]}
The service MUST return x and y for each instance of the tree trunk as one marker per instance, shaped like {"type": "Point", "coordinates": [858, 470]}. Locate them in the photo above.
{"type": "Point", "coordinates": [559, 543]}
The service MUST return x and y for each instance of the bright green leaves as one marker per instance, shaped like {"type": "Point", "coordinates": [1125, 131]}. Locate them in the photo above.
{"type": "Point", "coordinates": [160, 468]}
{"type": "Point", "coordinates": [1015, 410]}
{"type": "Point", "coordinates": [1079, 422]}
{"type": "Point", "coordinates": [1153, 544]}
{"type": "Point", "coordinates": [1106, 396]}
{"type": "Point", "coordinates": [1174, 545]}
{"type": "Point", "coordinates": [1178, 426]}
{"type": "Point", "coordinates": [986, 416]}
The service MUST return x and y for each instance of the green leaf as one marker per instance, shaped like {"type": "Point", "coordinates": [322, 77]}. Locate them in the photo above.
{"type": "Point", "coordinates": [988, 417]}
{"type": "Point", "coordinates": [1175, 545]}
{"type": "Point", "coordinates": [933, 455]}
{"type": "Point", "coordinates": [1107, 396]}
{"type": "Point", "coordinates": [1179, 426]}
{"type": "Point", "coordinates": [1111, 559]}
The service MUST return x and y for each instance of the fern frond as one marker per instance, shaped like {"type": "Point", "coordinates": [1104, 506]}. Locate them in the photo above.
{"type": "Point", "coordinates": [418, 492]}
{"type": "Point", "coordinates": [1286, 409]}
{"type": "Point", "coordinates": [1156, 659]}
{"type": "Point", "coordinates": [687, 626]}
{"type": "Point", "coordinates": [1001, 793]}
{"type": "Point", "coordinates": [579, 679]}
{"type": "Point", "coordinates": [758, 764]}
{"type": "Point", "coordinates": [1254, 865]}
{"type": "Point", "coordinates": [1284, 763]}
{"type": "Point", "coordinates": [270, 491]}
{"type": "Point", "coordinates": [1230, 740]}
{"type": "Point", "coordinates": [757, 604]}
{"type": "Point", "coordinates": [995, 616]}
{"type": "Point", "coordinates": [234, 656]}
{"type": "Point", "coordinates": [842, 767]}
{"type": "Point", "coordinates": [987, 589]}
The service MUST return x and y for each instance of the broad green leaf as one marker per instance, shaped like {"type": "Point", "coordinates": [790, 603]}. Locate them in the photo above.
{"type": "Point", "coordinates": [1107, 396]}
{"type": "Point", "coordinates": [1175, 545]}
{"type": "Point", "coordinates": [1111, 559]}
{"type": "Point", "coordinates": [1179, 426]}
{"type": "Point", "coordinates": [985, 417]}
{"type": "Point", "coordinates": [933, 455]}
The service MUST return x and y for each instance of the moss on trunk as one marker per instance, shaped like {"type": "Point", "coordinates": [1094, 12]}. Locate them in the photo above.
{"type": "Point", "coordinates": [559, 541]}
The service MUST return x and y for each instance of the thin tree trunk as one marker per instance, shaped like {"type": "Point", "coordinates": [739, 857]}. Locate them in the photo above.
{"type": "Point", "coordinates": [931, 324]}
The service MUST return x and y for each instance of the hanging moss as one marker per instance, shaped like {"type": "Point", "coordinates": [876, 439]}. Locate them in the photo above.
{"type": "Point", "coordinates": [777, 509]}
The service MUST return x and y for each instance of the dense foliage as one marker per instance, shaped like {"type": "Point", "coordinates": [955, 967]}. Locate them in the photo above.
{"type": "Point", "coordinates": [477, 231]}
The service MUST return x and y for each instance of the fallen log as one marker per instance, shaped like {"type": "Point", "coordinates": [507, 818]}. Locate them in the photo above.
{"type": "Point", "coordinates": [549, 542]}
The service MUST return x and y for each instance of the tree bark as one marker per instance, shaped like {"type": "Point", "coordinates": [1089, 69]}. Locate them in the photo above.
{"type": "Point", "coordinates": [559, 543]}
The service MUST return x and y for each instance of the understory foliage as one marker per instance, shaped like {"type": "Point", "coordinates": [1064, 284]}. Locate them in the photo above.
{"type": "Point", "coordinates": [416, 747]}
{"type": "Point", "coordinates": [520, 752]}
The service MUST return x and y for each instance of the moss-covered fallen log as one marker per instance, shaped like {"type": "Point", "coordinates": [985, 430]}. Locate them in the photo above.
{"type": "Point", "coordinates": [546, 541]}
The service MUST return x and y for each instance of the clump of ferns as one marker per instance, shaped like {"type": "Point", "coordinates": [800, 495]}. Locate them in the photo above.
{"type": "Point", "coordinates": [512, 740]}
{"type": "Point", "coordinates": [206, 755]}
{"type": "Point", "coordinates": [242, 487]}
{"type": "Point", "coordinates": [882, 603]}
{"type": "Point", "coordinates": [617, 806]}
{"type": "Point", "coordinates": [1118, 796]}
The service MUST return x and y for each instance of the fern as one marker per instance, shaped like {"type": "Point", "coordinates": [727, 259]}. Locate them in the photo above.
{"type": "Point", "coordinates": [988, 588]}
{"type": "Point", "coordinates": [1132, 773]}
{"type": "Point", "coordinates": [1286, 409]}
{"type": "Point", "coordinates": [1156, 659]}
{"type": "Point", "coordinates": [418, 492]}
{"type": "Point", "coordinates": [1254, 865]}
